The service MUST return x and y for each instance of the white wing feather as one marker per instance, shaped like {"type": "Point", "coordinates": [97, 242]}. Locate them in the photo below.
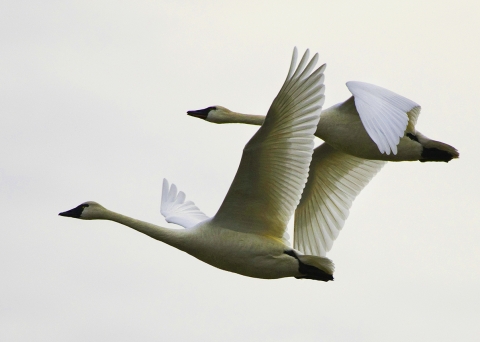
{"type": "Point", "coordinates": [176, 210]}
{"type": "Point", "coordinates": [383, 114]}
{"type": "Point", "coordinates": [274, 166]}
{"type": "Point", "coordinates": [335, 179]}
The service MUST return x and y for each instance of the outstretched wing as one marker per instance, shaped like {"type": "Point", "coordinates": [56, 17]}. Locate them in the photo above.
{"type": "Point", "coordinates": [176, 210]}
{"type": "Point", "coordinates": [274, 165]}
{"type": "Point", "coordinates": [335, 179]}
{"type": "Point", "coordinates": [384, 114]}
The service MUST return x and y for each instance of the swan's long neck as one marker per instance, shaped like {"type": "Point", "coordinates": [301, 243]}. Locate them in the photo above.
{"type": "Point", "coordinates": [250, 119]}
{"type": "Point", "coordinates": [234, 117]}
{"type": "Point", "coordinates": [173, 237]}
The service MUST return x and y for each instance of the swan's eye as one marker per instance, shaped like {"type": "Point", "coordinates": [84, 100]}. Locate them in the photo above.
{"type": "Point", "coordinates": [85, 205]}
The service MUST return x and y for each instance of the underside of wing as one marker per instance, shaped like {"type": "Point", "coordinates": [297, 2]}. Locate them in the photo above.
{"type": "Point", "coordinates": [274, 165]}
{"type": "Point", "coordinates": [383, 114]}
{"type": "Point", "coordinates": [176, 210]}
{"type": "Point", "coordinates": [335, 180]}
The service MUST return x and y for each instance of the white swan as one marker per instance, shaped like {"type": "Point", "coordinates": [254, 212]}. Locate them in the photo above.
{"type": "Point", "coordinates": [245, 236]}
{"type": "Point", "coordinates": [375, 123]}
{"type": "Point", "coordinates": [373, 126]}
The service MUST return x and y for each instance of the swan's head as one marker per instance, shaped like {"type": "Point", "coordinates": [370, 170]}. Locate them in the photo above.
{"type": "Point", "coordinates": [86, 211]}
{"type": "Point", "coordinates": [216, 114]}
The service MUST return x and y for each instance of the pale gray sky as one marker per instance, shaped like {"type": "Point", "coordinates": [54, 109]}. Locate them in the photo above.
{"type": "Point", "coordinates": [93, 106]}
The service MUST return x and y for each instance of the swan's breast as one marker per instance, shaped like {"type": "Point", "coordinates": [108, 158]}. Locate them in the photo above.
{"type": "Point", "coordinates": [247, 254]}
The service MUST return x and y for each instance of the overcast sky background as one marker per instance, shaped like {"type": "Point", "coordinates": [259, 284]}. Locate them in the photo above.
{"type": "Point", "coordinates": [93, 105]}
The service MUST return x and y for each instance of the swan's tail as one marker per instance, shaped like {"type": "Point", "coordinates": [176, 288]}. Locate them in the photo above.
{"type": "Point", "coordinates": [436, 151]}
{"type": "Point", "coordinates": [316, 268]}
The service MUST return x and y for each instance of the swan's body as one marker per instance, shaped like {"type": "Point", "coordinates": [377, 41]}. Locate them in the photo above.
{"type": "Point", "coordinates": [392, 137]}
{"type": "Point", "coordinates": [341, 126]}
{"type": "Point", "coordinates": [246, 234]}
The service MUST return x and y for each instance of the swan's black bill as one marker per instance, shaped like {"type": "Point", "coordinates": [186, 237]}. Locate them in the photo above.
{"type": "Point", "coordinates": [201, 113]}
{"type": "Point", "coordinates": [75, 212]}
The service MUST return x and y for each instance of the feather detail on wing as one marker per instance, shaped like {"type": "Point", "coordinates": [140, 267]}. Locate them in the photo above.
{"type": "Point", "coordinates": [383, 114]}
{"type": "Point", "coordinates": [334, 181]}
{"type": "Point", "coordinates": [412, 119]}
{"type": "Point", "coordinates": [176, 210]}
{"type": "Point", "coordinates": [274, 165]}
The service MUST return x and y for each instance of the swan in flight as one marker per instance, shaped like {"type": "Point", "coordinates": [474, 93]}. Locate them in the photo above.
{"type": "Point", "coordinates": [373, 126]}
{"type": "Point", "coordinates": [246, 234]}
{"type": "Point", "coordinates": [374, 123]}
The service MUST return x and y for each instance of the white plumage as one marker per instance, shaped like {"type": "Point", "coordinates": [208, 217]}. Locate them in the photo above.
{"type": "Point", "coordinates": [246, 234]}
{"type": "Point", "coordinates": [375, 123]}
{"type": "Point", "coordinates": [334, 181]}
{"type": "Point", "coordinates": [176, 210]}
{"type": "Point", "coordinates": [373, 126]}
{"type": "Point", "coordinates": [383, 113]}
